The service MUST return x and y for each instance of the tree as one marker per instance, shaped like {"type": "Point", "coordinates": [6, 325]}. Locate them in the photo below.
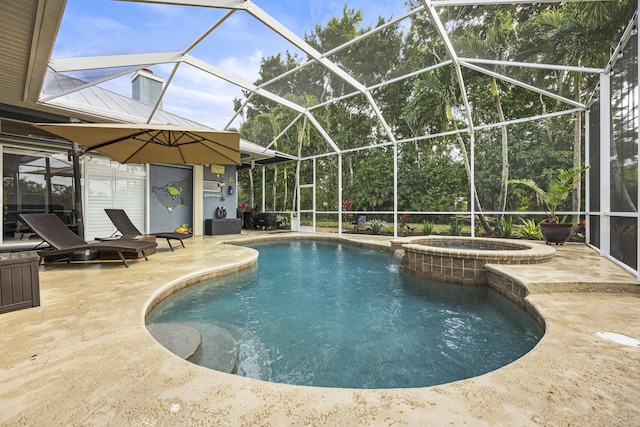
{"type": "Point", "coordinates": [586, 33]}
{"type": "Point", "coordinates": [432, 170]}
{"type": "Point", "coordinates": [497, 42]}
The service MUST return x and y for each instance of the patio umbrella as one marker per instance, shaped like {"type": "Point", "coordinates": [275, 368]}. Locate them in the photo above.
{"type": "Point", "coordinates": [152, 143]}
{"type": "Point", "coordinates": [145, 143]}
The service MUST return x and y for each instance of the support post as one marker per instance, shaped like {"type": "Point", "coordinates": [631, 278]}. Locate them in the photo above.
{"type": "Point", "coordinates": [77, 182]}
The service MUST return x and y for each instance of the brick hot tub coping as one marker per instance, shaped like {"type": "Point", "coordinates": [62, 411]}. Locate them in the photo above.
{"type": "Point", "coordinates": [462, 260]}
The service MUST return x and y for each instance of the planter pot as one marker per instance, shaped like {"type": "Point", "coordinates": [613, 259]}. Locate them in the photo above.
{"type": "Point", "coordinates": [556, 233]}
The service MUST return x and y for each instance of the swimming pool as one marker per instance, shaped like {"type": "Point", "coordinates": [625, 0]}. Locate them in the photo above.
{"type": "Point", "coordinates": [326, 314]}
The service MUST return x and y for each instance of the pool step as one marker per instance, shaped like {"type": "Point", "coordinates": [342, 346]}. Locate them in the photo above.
{"type": "Point", "coordinates": [223, 347]}
{"type": "Point", "coordinates": [219, 349]}
{"type": "Point", "coordinates": [254, 359]}
{"type": "Point", "coordinates": [180, 339]}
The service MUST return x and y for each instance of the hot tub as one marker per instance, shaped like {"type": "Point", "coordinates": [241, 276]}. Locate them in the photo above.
{"type": "Point", "coordinates": [461, 260]}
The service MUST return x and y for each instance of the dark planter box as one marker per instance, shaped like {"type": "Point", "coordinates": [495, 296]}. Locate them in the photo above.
{"type": "Point", "coordinates": [19, 281]}
{"type": "Point", "coordinates": [214, 227]}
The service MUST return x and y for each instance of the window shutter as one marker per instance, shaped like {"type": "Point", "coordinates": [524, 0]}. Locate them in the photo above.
{"type": "Point", "coordinates": [112, 185]}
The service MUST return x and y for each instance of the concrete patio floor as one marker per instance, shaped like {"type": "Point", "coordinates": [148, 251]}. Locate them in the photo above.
{"type": "Point", "coordinates": [84, 357]}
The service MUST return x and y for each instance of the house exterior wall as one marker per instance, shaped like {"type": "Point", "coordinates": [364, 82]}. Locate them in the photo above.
{"type": "Point", "coordinates": [216, 192]}
{"type": "Point", "coordinates": [170, 197]}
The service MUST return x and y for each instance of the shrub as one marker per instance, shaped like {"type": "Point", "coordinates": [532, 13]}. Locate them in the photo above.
{"type": "Point", "coordinates": [455, 228]}
{"type": "Point", "coordinates": [376, 225]}
{"type": "Point", "coordinates": [427, 228]}
{"type": "Point", "coordinates": [506, 227]}
{"type": "Point", "coordinates": [530, 230]}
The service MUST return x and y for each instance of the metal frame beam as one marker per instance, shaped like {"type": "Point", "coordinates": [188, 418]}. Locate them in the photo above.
{"type": "Point", "coordinates": [215, 71]}
{"type": "Point", "coordinates": [453, 3]}
{"type": "Point", "coordinates": [532, 65]}
{"type": "Point", "coordinates": [62, 65]}
{"type": "Point", "coordinates": [433, 14]}
{"type": "Point", "coordinates": [217, 4]}
{"type": "Point", "coordinates": [524, 85]}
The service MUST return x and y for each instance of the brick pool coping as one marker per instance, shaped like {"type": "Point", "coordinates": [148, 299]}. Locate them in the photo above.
{"type": "Point", "coordinates": [463, 262]}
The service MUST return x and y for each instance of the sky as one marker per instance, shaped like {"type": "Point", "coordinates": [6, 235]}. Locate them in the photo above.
{"type": "Point", "coordinates": [106, 27]}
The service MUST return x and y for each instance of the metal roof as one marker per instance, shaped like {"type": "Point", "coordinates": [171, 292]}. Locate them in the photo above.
{"type": "Point", "coordinates": [102, 103]}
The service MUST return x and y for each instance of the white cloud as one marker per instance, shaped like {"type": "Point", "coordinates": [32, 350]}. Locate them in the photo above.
{"type": "Point", "coordinates": [247, 68]}
{"type": "Point", "coordinates": [206, 99]}
{"type": "Point", "coordinates": [196, 95]}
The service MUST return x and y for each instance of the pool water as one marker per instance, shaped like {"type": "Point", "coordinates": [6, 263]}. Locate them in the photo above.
{"type": "Point", "coordinates": [326, 314]}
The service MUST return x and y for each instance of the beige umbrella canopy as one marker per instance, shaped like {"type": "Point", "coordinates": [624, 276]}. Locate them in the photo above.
{"type": "Point", "coordinates": [152, 143]}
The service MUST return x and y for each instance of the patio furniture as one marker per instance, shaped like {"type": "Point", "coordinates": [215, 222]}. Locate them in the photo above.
{"type": "Point", "coordinates": [124, 225]}
{"type": "Point", "coordinates": [266, 220]}
{"type": "Point", "coordinates": [19, 281]}
{"type": "Point", "coordinates": [64, 242]}
{"type": "Point", "coordinates": [216, 227]}
{"type": "Point", "coordinates": [109, 254]}
{"type": "Point", "coordinates": [248, 219]}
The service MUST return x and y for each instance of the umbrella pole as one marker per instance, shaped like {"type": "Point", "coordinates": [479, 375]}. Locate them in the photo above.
{"type": "Point", "coordinates": [75, 155]}
{"type": "Point", "coordinates": [47, 178]}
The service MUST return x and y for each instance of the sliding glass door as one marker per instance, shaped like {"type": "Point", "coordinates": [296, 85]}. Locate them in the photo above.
{"type": "Point", "coordinates": [35, 182]}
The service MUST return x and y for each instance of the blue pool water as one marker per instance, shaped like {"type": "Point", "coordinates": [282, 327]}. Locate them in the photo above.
{"type": "Point", "coordinates": [326, 314]}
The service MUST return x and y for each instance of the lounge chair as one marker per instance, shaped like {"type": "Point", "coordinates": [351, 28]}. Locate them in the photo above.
{"type": "Point", "coordinates": [64, 242]}
{"type": "Point", "coordinates": [124, 225]}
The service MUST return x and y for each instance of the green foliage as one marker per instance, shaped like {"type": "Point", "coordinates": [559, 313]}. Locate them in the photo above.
{"type": "Point", "coordinates": [566, 219]}
{"type": "Point", "coordinates": [284, 219]}
{"type": "Point", "coordinates": [427, 228]}
{"type": "Point", "coordinates": [376, 225]}
{"type": "Point", "coordinates": [506, 227]}
{"type": "Point", "coordinates": [455, 228]}
{"type": "Point", "coordinates": [435, 181]}
{"type": "Point", "coordinates": [431, 171]}
{"type": "Point", "coordinates": [558, 191]}
{"type": "Point", "coordinates": [529, 229]}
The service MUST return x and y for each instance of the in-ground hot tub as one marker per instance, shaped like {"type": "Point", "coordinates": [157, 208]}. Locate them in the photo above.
{"type": "Point", "coordinates": [462, 260]}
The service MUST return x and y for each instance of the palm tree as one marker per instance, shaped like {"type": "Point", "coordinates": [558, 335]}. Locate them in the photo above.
{"type": "Point", "coordinates": [498, 42]}
{"type": "Point", "coordinates": [585, 31]}
{"type": "Point", "coordinates": [438, 90]}
{"type": "Point", "coordinates": [557, 192]}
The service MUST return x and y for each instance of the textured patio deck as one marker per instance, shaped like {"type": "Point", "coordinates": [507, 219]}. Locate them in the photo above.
{"type": "Point", "coordinates": [84, 357]}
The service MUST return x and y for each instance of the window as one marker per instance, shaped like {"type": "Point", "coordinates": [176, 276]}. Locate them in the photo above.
{"type": "Point", "coordinates": [35, 183]}
{"type": "Point", "coordinates": [113, 185]}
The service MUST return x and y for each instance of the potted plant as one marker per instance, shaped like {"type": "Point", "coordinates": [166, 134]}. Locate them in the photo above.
{"type": "Point", "coordinates": [556, 195]}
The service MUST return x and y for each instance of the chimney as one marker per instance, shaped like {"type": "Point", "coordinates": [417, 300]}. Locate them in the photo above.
{"type": "Point", "coordinates": [147, 87]}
